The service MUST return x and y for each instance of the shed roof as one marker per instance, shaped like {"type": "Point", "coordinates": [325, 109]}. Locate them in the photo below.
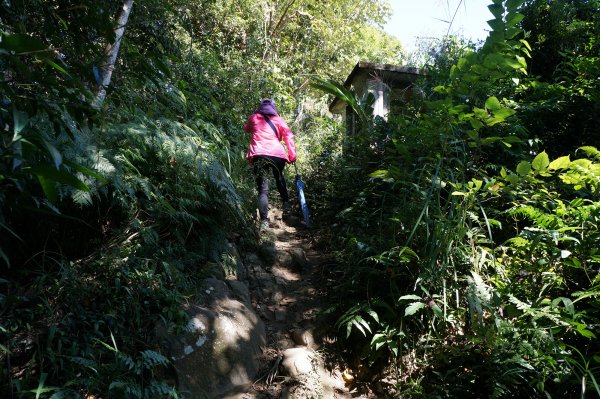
{"type": "Point", "coordinates": [391, 74]}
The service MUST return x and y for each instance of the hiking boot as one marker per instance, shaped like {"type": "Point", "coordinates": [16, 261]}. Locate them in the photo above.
{"type": "Point", "coordinates": [264, 225]}
{"type": "Point", "coordinates": [287, 207]}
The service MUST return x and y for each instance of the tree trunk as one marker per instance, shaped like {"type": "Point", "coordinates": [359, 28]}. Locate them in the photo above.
{"type": "Point", "coordinates": [112, 51]}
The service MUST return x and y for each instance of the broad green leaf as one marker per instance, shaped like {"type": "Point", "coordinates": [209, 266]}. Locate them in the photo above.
{"type": "Point", "coordinates": [480, 113]}
{"type": "Point", "coordinates": [523, 168]}
{"type": "Point", "coordinates": [20, 120]}
{"type": "Point", "coordinates": [379, 173]}
{"type": "Point", "coordinates": [496, 9]}
{"type": "Point", "coordinates": [582, 163]}
{"type": "Point", "coordinates": [59, 176]}
{"type": "Point", "coordinates": [590, 151]}
{"type": "Point", "coordinates": [568, 304]}
{"type": "Point", "coordinates": [393, 345]}
{"type": "Point", "coordinates": [526, 44]}
{"type": "Point", "coordinates": [512, 178]}
{"type": "Point", "coordinates": [490, 140]}
{"type": "Point", "coordinates": [504, 112]}
{"type": "Point", "coordinates": [586, 333]}
{"type": "Point", "coordinates": [513, 5]}
{"type": "Point", "coordinates": [22, 43]}
{"type": "Point", "coordinates": [493, 104]}
{"type": "Point", "coordinates": [475, 123]}
{"type": "Point", "coordinates": [512, 19]}
{"type": "Point", "coordinates": [49, 188]}
{"type": "Point", "coordinates": [497, 25]}
{"type": "Point", "coordinates": [411, 297]}
{"type": "Point", "coordinates": [540, 162]}
{"type": "Point", "coordinates": [413, 308]}
{"type": "Point", "coordinates": [513, 62]}
{"type": "Point", "coordinates": [511, 139]}
{"type": "Point", "coordinates": [476, 184]}
{"type": "Point", "coordinates": [493, 61]}
{"type": "Point", "coordinates": [522, 61]}
{"type": "Point", "coordinates": [373, 314]}
{"type": "Point", "coordinates": [493, 121]}
{"type": "Point", "coordinates": [54, 153]}
{"type": "Point", "coordinates": [453, 72]}
{"type": "Point", "coordinates": [560, 163]}
{"type": "Point", "coordinates": [473, 134]}
{"type": "Point", "coordinates": [58, 67]}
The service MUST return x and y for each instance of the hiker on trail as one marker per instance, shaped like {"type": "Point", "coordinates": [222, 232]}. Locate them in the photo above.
{"type": "Point", "coordinates": [267, 130]}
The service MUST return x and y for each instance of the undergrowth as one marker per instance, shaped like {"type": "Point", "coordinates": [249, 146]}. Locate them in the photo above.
{"type": "Point", "coordinates": [467, 254]}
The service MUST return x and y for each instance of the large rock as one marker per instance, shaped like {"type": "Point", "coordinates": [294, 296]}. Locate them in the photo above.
{"type": "Point", "coordinates": [220, 348]}
{"type": "Point", "coordinates": [306, 368]}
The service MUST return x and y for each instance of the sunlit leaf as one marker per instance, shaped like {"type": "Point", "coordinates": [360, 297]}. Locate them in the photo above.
{"type": "Point", "coordinates": [20, 120]}
{"type": "Point", "coordinates": [540, 162]}
{"type": "Point", "coordinates": [493, 104]}
{"type": "Point", "coordinates": [523, 168]}
{"type": "Point", "coordinates": [504, 112]}
{"type": "Point", "coordinates": [413, 308]}
{"type": "Point", "coordinates": [560, 163]}
{"type": "Point", "coordinates": [58, 67]}
{"type": "Point", "coordinates": [410, 297]}
{"type": "Point", "coordinates": [480, 113]}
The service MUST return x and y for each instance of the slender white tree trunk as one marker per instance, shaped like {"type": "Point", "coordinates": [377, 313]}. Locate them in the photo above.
{"type": "Point", "coordinates": [112, 51]}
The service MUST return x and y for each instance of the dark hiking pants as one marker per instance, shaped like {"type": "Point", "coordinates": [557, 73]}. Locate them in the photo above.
{"type": "Point", "coordinates": [261, 165]}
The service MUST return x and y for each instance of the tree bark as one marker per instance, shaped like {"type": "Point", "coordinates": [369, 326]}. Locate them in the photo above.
{"type": "Point", "coordinates": [112, 52]}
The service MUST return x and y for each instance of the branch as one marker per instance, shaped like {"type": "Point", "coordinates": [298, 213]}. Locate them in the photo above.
{"type": "Point", "coordinates": [283, 16]}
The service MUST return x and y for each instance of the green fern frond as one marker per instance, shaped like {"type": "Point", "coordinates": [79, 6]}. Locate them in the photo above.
{"type": "Point", "coordinates": [151, 359]}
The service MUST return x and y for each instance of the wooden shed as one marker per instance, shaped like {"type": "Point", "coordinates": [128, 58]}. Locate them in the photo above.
{"type": "Point", "coordinates": [392, 85]}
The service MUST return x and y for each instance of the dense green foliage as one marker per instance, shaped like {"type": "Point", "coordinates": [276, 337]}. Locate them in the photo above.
{"type": "Point", "coordinates": [475, 252]}
{"type": "Point", "coordinates": [467, 224]}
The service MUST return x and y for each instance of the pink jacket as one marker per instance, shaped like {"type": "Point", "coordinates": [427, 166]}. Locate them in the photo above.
{"type": "Point", "coordinates": [263, 140]}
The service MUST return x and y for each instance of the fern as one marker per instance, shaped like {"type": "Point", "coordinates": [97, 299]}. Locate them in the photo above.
{"type": "Point", "coordinates": [151, 359]}
{"type": "Point", "coordinates": [538, 216]}
{"type": "Point", "coordinates": [127, 387]}
{"type": "Point", "coordinates": [159, 389]}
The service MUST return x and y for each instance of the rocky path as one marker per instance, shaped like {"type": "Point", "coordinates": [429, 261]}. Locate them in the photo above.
{"type": "Point", "coordinates": [287, 278]}
{"type": "Point", "coordinates": [257, 328]}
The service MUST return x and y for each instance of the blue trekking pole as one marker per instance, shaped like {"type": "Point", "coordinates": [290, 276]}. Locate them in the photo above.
{"type": "Point", "coordinates": [303, 204]}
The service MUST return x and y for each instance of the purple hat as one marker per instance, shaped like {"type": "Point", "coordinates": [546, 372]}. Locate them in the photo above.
{"type": "Point", "coordinates": [267, 107]}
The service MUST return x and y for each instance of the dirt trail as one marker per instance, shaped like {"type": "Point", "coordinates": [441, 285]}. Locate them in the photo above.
{"type": "Point", "coordinates": [288, 285]}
